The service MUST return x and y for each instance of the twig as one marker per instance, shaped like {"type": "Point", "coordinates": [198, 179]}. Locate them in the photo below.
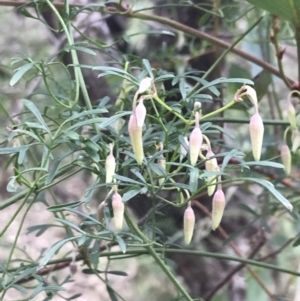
{"type": "Point", "coordinates": [235, 249]}
{"type": "Point", "coordinates": [236, 269]}
{"type": "Point", "coordinates": [176, 25]}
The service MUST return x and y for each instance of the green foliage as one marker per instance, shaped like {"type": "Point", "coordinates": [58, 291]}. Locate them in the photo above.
{"type": "Point", "coordinates": [62, 134]}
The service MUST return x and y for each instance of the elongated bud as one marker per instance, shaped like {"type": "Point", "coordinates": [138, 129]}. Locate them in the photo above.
{"type": "Point", "coordinates": [295, 140]}
{"type": "Point", "coordinates": [135, 133]}
{"type": "Point", "coordinates": [110, 165]}
{"type": "Point", "coordinates": [291, 114]}
{"type": "Point", "coordinates": [140, 113]}
{"type": "Point", "coordinates": [118, 210]}
{"type": "Point", "coordinates": [145, 84]}
{"type": "Point", "coordinates": [248, 91]}
{"type": "Point", "coordinates": [218, 205]}
{"type": "Point", "coordinates": [256, 128]}
{"type": "Point", "coordinates": [195, 144]}
{"type": "Point", "coordinates": [211, 164]}
{"type": "Point", "coordinates": [286, 159]}
{"type": "Point", "coordinates": [188, 223]}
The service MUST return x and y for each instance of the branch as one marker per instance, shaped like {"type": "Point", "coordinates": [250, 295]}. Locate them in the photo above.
{"type": "Point", "coordinates": [236, 250]}
{"type": "Point", "coordinates": [176, 25]}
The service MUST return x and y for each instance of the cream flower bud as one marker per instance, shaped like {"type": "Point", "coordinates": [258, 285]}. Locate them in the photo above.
{"type": "Point", "coordinates": [118, 210]}
{"type": "Point", "coordinates": [145, 84]}
{"type": "Point", "coordinates": [295, 140]}
{"type": "Point", "coordinates": [218, 206]}
{"type": "Point", "coordinates": [286, 159]}
{"type": "Point", "coordinates": [197, 105]}
{"type": "Point", "coordinates": [256, 128]}
{"type": "Point", "coordinates": [135, 133]}
{"type": "Point", "coordinates": [140, 113]}
{"type": "Point", "coordinates": [161, 162]}
{"type": "Point", "coordinates": [211, 164]}
{"type": "Point", "coordinates": [291, 114]}
{"type": "Point", "coordinates": [188, 223]}
{"type": "Point", "coordinates": [246, 90]}
{"type": "Point", "coordinates": [110, 165]}
{"type": "Point", "coordinates": [195, 144]}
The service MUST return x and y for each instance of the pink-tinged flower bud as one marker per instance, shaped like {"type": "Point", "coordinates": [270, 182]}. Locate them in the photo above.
{"type": "Point", "coordinates": [286, 159]}
{"type": "Point", "coordinates": [195, 144]}
{"type": "Point", "coordinates": [256, 128]}
{"type": "Point", "coordinates": [118, 210]}
{"type": "Point", "coordinates": [218, 205]}
{"type": "Point", "coordinates": [291, 114]}
{"type": "Point", "coordinates": [211, 164]}
{"type": "Point", "coordinates": [295, 140]}
{"type": "Point", "coordinates": [188, 223]}
{"type": "Point", "coordinates": [140, 113]}
{"type": "Point", "coordinates": [110, 165]}
{"type": "Point", "coordinates": [145, 84]}
{"type": "Point", "coordinates": [136, 137]}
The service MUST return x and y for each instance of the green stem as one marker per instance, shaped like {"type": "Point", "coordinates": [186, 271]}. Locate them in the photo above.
{"type": "Point", "coordinates": [157, 258]}
{"type": "Point", "coordinates": [218, 110]}
{"type": "Point", "coordinates": [138, 252]}
{"type": "Point", "coordinates": [297, 36]}
{"type": "Point", "coordinates": [77, 70]}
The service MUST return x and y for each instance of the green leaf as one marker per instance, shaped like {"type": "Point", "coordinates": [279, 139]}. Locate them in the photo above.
{"type": "Point", "coordinates": [288, 10]}
{"type": "Point", "coordinates": [263, 163]}
{"type": "Point", "coordinates": [20, 72]}
{"type": "Point", "coordinates": [121, 243]}
{"type": "Point", "coordinates": [271, 189]}
{"type": "Point", "coordinates": [148, 67]}
{"type": "Point", "coordinates": [35, 111]}
{"type": "Point", "coordinates": [130, 194]}
{"type": "Point", "coordinates": [54, 249]}
{"type": "Point", "coordinates": [62, 207]}
{"type": "Point", "coordinates": [66, 222]}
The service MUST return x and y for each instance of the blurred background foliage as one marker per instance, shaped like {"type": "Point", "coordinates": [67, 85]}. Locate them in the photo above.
{"type": "Point", "coordinates": [254, 226]}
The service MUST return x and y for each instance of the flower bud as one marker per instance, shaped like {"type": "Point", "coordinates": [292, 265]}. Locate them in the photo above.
{"type": "Point", "coordinates": [135, 133]}
{"type": "Point", "coordinates": [161, 162]}
{"type": "Point", "coordinates": [188, 223]}
{"type": "Point", "coordinates": [118, 210]}
{"type": "Point", "coordinates": [246, 90]}
{"type": "Point", "coordinates": [140, 113]}
{"type": "Point", "coordinates": [218, 205]}
{"type": "Point", "coordinates": [256, 128]}
{"type": "Point", "coordinates": [197, 105]}
{"type": "Point", "coordinates": [145, 84]}
{"type": "Point", "coordinates": [195, 144]}
{"type": "Point", "coordinates": [286, 159]}
{"type": "Point", "coordinates": [110, 165]}
{"type": "Point", "coordinates": [295, 140]}
{"type": "Point", "coordinates": [291, 114]}
{"type": "Point", "coordinates": [211, 164]}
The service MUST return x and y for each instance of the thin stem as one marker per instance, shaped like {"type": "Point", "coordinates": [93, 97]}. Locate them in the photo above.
{"type": "Point", "coordinates": [157, 258]}
{"type": "Point", "coordinates": [297, 36]}
{"type": "Point", "coordinates": [278, 51]}
{"type": "Point", "coordinates": [236, 250]}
